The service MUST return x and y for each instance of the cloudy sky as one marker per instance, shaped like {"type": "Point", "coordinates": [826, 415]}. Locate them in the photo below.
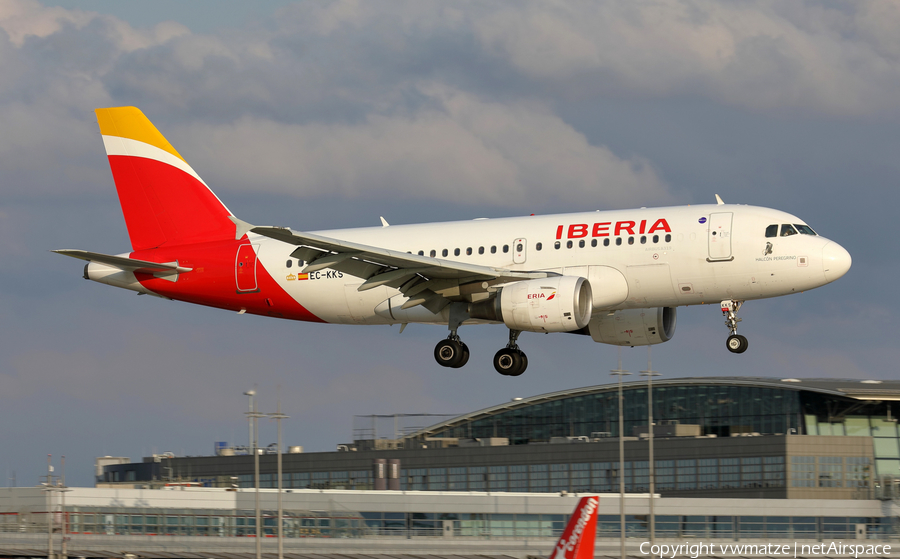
{"type": "Point", "coordinates": [327, 114]}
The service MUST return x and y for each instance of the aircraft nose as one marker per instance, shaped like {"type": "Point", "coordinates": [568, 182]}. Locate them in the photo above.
{"type": "Point", "coordinates": [835, 261]}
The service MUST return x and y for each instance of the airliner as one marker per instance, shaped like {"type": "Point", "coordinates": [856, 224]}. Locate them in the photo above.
{"type": "Point", "coordinates": [616, 277]}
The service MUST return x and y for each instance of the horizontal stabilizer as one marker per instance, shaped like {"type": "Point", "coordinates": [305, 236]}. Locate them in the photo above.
{"type": "Point", "coordinates": [124, 263]}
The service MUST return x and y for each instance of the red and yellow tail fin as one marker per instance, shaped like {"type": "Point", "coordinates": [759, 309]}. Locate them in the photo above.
{"type": "Point", "coordinates": [577, 541]}
{"type": "Point", "coordinates": [164, 201]}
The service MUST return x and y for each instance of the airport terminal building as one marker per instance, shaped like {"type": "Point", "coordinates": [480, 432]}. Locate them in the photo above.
{"type": "Point", "coordinates": [714, 437]}
{"type": "Point", "coordinates": [736, 459]}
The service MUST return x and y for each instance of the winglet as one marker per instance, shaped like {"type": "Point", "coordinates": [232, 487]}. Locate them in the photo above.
{"type": "Point", "coordinates": [241, 227]}
{"type": "Point", "coordinates": [384, 223]}
{"type": "Point", "coordinates": [719, 200]}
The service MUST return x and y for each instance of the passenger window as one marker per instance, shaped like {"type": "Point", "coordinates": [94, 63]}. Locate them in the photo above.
{"type": "Point", "coordinates": [668, 238]}
{"type": "Point", "coordinates": [804, 229]}
{"type": "Point", "coordinates": [772, 230]}
{"type": "Point", "coordinates": [787, 230]}
{"type": "Point", "coordinates": [494, 249]}
{"type": "Point", "coordinates": [655, 239]}
{"type": "Point", "coordinates": [643, 240]}
{"type": "Point", "coordinates": [456, 252]}
{"type": "Point", "coordinates": [538, 246]}
{"type": "Point", "coordinates": [444, 252]}
{"type": "Point", "coordinates": [289, 263]}
{"type": "Point", "coordinates": [421, 253]}
{"type": "Point", "coordinates": [469, 251]}
{"type": "Point", "coordinates": [433, 253]}
{"type": "Point", "coordinates": [593, 242]}
{"type": "Point", "coordinates": [581, 243]}
{"type": "Point", "coordinates": [618, 241]}
{"type": "Point", "coordinates": [556, 245]}
{"type": "Point", "coordinates": [505, 249]}
{"type": "Point", "coordinates": [606, 242]}
{"type": "Point", "coordinates": [569, 244]}
{"type": "Point", "coordinates": [480, 250]}
{"type": "Point", "coordinates": [519, 247]}
{"type": "Point", "coordinates": [630, 240]}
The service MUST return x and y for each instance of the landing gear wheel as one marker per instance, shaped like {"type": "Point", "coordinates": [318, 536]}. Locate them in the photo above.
{"type": "Point", "coordinates": [451, 353]}
{"type": "Point", "coordinates": [737, 343]}
{"type": "Point", "coordinates": [510, 362]}
{"type": "Point", "coordinates": [465, 357]}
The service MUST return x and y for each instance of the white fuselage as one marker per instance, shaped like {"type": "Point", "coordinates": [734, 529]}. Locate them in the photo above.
{"type": "Point", "coordinates": [669, 257]}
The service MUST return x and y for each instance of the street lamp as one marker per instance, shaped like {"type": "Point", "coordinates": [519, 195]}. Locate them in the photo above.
{"type": "Point", "coordinates": [278, 416]}
{"type": "Point", "coordinates": [253, 417]}
{"type": "Point", "coordinates": [620, 372]}
{"type": "Point", "coordinates": [251, 394]}
{"type": "Point", "coordinates": [650, 373]}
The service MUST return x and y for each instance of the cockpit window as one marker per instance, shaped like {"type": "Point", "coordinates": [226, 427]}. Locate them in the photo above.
{"type": "Point", "coordinates": [804, 229]}
{"type": "Point", "coordinates": [772, 230]}
{"type": "Point", "coordinates": [787, 230]}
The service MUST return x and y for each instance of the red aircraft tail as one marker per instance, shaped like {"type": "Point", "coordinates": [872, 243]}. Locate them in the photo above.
{"type": "Point", "coordinates": [577, 541]}
{"type": "Point", "coordinates": [164, 201]}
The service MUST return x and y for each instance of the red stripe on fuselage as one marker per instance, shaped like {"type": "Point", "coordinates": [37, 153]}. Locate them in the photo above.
{"type": "Point", "coordinates": [211, 281]}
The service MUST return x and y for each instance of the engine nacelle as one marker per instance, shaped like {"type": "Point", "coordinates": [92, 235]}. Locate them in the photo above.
{"type": "Point", "coordinates": [555, 304]}
{"type": "Point", "coordinates": [633, 327]}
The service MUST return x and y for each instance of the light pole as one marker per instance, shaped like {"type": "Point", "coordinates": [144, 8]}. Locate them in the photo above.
{"type": "Point", "coordinates": [278, 416]}
{"type": "Point", "coordinates": [250, 394]}
{"type": "Point", "coordinates": [620, 372]}
{"type": "Point", "coordinates": [64, 552]}
{"type": "Point", "coordinates": [253, 417]}
{"type": "Point", "coordinates": [49, 490]}
{"type": "Point", "coordinates": [650, 373]}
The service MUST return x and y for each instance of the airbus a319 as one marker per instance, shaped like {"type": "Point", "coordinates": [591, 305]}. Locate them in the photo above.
{"type": "Point", "coordinates": [616, 277]}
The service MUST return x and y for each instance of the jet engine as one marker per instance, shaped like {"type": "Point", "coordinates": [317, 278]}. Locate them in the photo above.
{"type": "Point", "coordinates": [632, 327]}
{"type": "Point", "coordinates": [555, 304]}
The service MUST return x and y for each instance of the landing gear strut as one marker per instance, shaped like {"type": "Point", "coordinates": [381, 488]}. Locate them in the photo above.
{"type": "Point", "coordinates": [735, 342]}
{"type": "Point", "coordinates": [511, 361]}
{"type": "Point", "coordinates": [452, 352]}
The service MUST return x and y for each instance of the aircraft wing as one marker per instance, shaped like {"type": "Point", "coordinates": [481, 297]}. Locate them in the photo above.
{"type": "Point", "coordinates": [430, 282]}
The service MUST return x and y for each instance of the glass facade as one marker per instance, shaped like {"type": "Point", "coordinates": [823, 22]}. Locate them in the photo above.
{"type": "Point", "coordinates": [359, 479]}
{"type": "Point", "coordinates": [603, 477]}
{"type": "Point", "coordinates": [347, 524]}
{"type": "Point", "coordinates": [720, 409]}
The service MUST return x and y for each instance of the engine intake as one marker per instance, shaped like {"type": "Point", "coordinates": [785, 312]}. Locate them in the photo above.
{"type": "Point", "coordinates": [555, 304]}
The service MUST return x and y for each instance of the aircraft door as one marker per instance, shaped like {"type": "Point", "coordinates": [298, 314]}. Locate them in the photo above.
{"type": "Point", "coordinates": [720, 237]}
{"type": "Point", "coordinates": [520, 246]}
{"type": "Point", "coordinates": [245, 269]}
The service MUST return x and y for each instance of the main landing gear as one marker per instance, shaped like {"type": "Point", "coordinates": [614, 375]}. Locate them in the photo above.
{"type": "Point", "coordinates": [511, 361]}
{"type": "Point", "coordinates": [735, 342]}
{"type": "Point", "coordinates": [451, 352]}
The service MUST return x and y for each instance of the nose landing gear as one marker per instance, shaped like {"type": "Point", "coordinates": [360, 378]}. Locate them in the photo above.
{"type": "Point", "coordinates": [735, 342]}
{"type": "Point", "coordinates": [511, 361]}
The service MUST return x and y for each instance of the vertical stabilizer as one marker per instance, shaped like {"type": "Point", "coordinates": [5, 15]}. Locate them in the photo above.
{"type": "Point", "coordinates": [577, 540]}
{"type": "Point", "coordinates": [164, 201]}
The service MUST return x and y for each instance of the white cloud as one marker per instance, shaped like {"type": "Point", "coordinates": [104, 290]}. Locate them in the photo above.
{"type": "Point", "coordinates": [762, 55]}
{"type": "Point", "coordinates": [465, 151]}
